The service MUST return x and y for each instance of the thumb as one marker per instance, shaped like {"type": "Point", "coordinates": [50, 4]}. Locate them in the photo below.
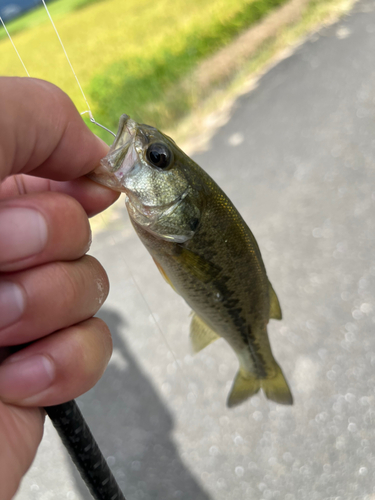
{"type": "Point", "coordinates": [42, 133]}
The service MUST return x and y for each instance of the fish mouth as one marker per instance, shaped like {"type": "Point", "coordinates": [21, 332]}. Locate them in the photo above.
{"type": "Point", "coordinates": [120, 158]}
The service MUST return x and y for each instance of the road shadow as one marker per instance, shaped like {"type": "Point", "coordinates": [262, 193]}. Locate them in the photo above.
{"type": "Point", "coordinates": [133, 428]}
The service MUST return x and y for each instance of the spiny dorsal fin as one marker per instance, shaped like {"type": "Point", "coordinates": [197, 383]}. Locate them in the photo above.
{"type": "Point", "coordinates": [275, 309]}
{"type": "Point", "coordinates": [201, 335]}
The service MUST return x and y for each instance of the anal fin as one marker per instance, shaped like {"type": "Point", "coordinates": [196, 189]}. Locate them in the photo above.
{"type": "Point", "coordinates": [201, 335]}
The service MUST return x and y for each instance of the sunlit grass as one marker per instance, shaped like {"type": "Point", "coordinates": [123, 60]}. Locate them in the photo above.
{"type": "Point", "coordinates": [147, 86]}
{"type": "Point", "coordinates": [137, 56]}
{"type": "Point", "coordinates": [37, 15]}
{"type": "Point", "coordinates": [193, 131]}
{"type": "Point", "coordinates": [127, 55]}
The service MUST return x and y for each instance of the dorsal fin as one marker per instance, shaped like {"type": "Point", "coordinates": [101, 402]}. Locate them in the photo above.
{"type": "Point", "coordinates": [201, 335]}
{"type": "Point", "coordinates": [275, 309]}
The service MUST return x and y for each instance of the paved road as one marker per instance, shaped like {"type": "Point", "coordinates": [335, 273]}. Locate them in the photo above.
{"type": "Point", "coordinates": [298, 159]}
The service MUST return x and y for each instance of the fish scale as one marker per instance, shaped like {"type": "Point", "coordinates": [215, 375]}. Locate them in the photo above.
{"type": "Point", "coordinates": [204, 250]}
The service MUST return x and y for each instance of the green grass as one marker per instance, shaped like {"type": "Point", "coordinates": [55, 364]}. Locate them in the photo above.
{"type": "Point", "coordinates": [194, 129]}
{"type": "Point", "coordinates": [316, 14]}
{"type": "Point", "coordinates": [129, 55]}
{"type": "Point", "coordinates": [139, 56]}
{"type": "Point", "coordinates": [148, 87]}
{"type": "Point", "coordinates": [36, 16]}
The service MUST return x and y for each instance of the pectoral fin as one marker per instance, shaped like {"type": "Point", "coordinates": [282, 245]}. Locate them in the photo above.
{"type": "Point", "coordinates": [275, 309]}
{"type": "Point", "coordinates": [198, 266]}
{"type": "Point", "coordinates": [201, 335]}
{"type": "Point", "coordinates": [163, 273]}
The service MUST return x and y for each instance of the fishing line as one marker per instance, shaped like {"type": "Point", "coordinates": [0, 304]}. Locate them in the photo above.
{"type": "Point", "coordinates": [11, 41]}
{"type": "Point", "coordinates": [105, 128]}
{"type": "Point", "coordinates": [66, 418]}
{"type": "Point", "coordinates": [91, 116]}
{"type": "Point", "coordinates": [92, 119]}
{"type": "Point", "coordinates": [96, 123]}
{"type": "Point", "coordinates": [66, 55]}
{"type": "Point", "coordinates": [176, 360]}
{"type": "Point", "coordinates": [178, 363]}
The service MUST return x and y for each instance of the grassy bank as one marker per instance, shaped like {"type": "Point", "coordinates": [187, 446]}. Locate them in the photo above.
{"type": "Point", "coordinates": [194, 132]}
{"type": "Point", "coordinates": [37, 15]}
{"type": "Point", "coordinates": [147, 87]}
{"type": "Point", "coordinates": [128, 55]}
{"type": "Point", "coordinates": [138, 57]}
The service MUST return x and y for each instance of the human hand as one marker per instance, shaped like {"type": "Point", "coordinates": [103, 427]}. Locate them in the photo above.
{"type": "Point", "coordinates": [49, 288]}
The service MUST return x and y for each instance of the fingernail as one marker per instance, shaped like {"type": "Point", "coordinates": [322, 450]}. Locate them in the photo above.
{"type": "Point", "coordinates": [22, 378]}
{"type": "Point", "coordinates": [23, 233]}
{"type": "Point", "coordinates": [12, 303]}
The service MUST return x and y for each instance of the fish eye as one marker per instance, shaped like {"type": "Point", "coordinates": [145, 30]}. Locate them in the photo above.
{"type": "Point", "coordinates": [159, 155]}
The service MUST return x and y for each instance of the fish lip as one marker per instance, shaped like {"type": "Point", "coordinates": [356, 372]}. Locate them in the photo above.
{"type": "Point", "coordinates": [126, 131]}
{"type": "Point", "coordinates": [113, 167]}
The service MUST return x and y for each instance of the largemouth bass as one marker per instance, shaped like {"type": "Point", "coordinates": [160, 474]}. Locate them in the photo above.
{"type": "Point", "coordinates": [204, 250]}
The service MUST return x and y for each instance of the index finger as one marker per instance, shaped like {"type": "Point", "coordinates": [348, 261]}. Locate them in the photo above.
{"type": "Point", "coordinates": [42, 132]}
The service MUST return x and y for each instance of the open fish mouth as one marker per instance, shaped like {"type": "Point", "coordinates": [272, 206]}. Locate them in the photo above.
{"type": "Point", "coordinates": [120, 158]}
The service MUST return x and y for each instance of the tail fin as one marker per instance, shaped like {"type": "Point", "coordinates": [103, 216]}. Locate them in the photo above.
{"type": "Point", "coordinates": [244, 386]}
{"type": "Point", "coordinates": [277, 389]}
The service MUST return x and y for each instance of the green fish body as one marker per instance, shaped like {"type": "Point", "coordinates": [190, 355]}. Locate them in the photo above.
{"type": "Point", "coordinates": [203, 248]}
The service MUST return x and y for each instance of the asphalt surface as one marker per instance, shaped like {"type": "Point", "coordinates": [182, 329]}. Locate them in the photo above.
{"type": "Point", "coordinates": [298, 160]}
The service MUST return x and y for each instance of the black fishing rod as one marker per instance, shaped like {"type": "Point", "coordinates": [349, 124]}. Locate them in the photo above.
{"type": "Point", "coordinates": [84, 451]}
